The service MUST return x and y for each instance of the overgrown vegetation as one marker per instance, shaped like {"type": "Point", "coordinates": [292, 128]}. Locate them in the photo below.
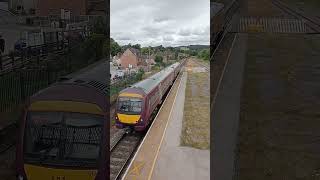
{"type": "Point", "coordinates": [120, 85]}
{"type": "Point", "coordinates": [204, 54]}
{"type": "Point", "coordinates": [196, 123]}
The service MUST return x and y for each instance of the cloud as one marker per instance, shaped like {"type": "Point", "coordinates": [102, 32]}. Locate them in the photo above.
{"type": "Point", "coordinates": [165, 22]}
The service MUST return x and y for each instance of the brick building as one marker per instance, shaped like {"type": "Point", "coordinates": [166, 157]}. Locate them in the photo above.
{"type": "Point", "coordinates": [76, 7]}
{"type": "Point", "coordinates": [131, 57]}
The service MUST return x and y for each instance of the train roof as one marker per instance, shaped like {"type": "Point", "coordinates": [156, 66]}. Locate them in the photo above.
{"type": "Point", "coordinates": [87, 85]}
{"type": "Point", "coordinates": [95, 76]}
{"type": "Point", "coordinates": [150, 83]}
{"type": "Point", "coordinates": [71, 92]}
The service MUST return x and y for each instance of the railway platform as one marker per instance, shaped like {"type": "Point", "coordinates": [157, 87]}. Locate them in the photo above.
{"type": "Point", "coordinates": [160, 155]}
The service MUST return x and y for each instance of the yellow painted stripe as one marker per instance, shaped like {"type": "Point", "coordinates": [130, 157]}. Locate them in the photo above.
{"type": "Point", "coordinates": [130, 95]}
{"type": "Point", "coordinates": [128, 119]}
{"type": "Point", "coordinates": [42, 173]}
{"type": "Point", "coordinates": [66, 106]}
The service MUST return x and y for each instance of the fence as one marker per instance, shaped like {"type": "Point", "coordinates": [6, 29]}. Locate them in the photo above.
{"type": "Point", "coordinates": [54, 42]}
{"type": "Point", "coordinates": [18, 84]}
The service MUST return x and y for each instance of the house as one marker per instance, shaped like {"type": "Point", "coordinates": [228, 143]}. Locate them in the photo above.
{"type": "Point", "coordinates": [150, 62]}
{"type": "Point", "coordinates": [55, 7]}
{"type": "Point", "coordinates": [131, 58]}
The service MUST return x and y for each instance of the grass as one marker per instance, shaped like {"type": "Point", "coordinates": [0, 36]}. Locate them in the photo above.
{"type": "Point", "coordinates": [196, 123]}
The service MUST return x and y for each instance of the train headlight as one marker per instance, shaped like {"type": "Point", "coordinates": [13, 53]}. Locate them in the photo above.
{"type": "Point", "coordinates": [141, 120]}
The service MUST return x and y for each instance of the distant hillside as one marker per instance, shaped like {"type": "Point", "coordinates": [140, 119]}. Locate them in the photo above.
{"type": "Point", "coordinates": [195, 47]}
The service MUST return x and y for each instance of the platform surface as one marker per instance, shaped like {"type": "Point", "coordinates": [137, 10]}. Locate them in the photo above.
{"type": "Point", "coordinates": [144, 160]}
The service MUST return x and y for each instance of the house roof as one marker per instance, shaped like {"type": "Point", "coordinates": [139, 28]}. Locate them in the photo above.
{"type": "Point", "coordinates": [135, 51]}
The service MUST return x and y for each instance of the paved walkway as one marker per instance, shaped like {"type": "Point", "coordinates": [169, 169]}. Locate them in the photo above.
{"type": "Point", "coordinates": [176, 162]}
{"type": "Point", "coordinates": [224, 126]}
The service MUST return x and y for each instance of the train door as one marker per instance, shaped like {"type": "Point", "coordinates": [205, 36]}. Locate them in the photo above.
{"type": "Point", "coordinates": [160, 89]}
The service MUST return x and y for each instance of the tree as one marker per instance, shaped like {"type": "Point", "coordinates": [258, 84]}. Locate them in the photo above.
{"type": "Point", "coordinates": [204, 54]}
{"type": "Point", "coordinates": [137, 46]}
{"type": "Point", "coordinates": [145, 50]}
{"type": "Point", "coordinates": [115, 48]}
{"type": "Point", "coordinates": [100, 26]}
{"type": "Point", "coordinates": [159, 59]}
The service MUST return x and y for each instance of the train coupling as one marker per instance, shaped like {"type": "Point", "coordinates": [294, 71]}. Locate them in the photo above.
{"type": "Point", "coordinates": [128, 130]}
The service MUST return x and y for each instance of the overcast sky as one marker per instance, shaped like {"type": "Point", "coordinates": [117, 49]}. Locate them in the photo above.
{"type": "Point", "coordinates": [160, 22]}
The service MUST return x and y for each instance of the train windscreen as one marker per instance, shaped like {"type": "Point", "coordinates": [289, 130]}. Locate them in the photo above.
{"type": "Point", "coordinates": [128, 105]}
{"type": "Point", "coordinates": [63, 138]}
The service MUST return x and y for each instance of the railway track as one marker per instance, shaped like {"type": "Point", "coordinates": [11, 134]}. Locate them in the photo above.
{"type": "Point", "coordinates": [121, 151]}
{"type": "Point", "coordinates": [202, 65]}
{"type": "Point", "coordinates": [313, 24]}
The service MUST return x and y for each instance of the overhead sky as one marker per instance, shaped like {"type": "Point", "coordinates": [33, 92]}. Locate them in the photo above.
{"type": "Point", "coordinates": [160, 22]}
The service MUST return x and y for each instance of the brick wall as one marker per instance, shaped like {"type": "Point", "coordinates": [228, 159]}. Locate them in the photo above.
{"type": "Point", "coordinates": [45, 7]}
{"type": "Point", "coordinates": [128, 58]}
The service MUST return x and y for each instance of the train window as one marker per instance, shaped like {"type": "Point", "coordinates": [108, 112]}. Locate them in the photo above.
{"type": "Point", "coordinates": [129, 105]}
{"type": "Point", "coordinates": [84, 135]}
{"type": "Point", "coordinates": [61, 137]}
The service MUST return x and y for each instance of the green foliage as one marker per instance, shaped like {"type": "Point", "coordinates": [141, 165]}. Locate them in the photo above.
{"type": "Point", "coordinates": [141, 71]}
{"type": "Point", "coordinates": [204, 54]}
{"type": "Point", "coordinates": [100, 26]}
{"type": "Point", "coordinates": [137, 46]}
{"type": "Point", "coordinates": [140, 74]}
{"type": "Point", "coordinates": [145, 50]}
{"type": "Point", "coordinates": [115, 48]}
{"type": "Point", "coordinates": [155, 68]}
{"type": "Point", "coordinates": [93, 47]}
{"type": "Point", "coordinates": [158, 59]}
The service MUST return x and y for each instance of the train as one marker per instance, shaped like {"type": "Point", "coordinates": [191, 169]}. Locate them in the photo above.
{"type": "Point", "coordinates": [221, 16]}
{"type": "Point", "coordinates": [63, 131]}
{"type": "Point", "coordinates": [136, 104]}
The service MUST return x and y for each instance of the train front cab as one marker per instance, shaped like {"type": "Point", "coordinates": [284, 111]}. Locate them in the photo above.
{"type": "Point", "coordinates": [62, 140]}
{"type": "Point", "coordinates": [130, 111]}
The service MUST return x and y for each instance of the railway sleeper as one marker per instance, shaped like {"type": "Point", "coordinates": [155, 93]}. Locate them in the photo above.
{"type": "Point", "coordinates": [116, 159]}
{"type": "Point", "coordinates": [116, 154]}
{"type": "Point", "coordinates": [125, 148]}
